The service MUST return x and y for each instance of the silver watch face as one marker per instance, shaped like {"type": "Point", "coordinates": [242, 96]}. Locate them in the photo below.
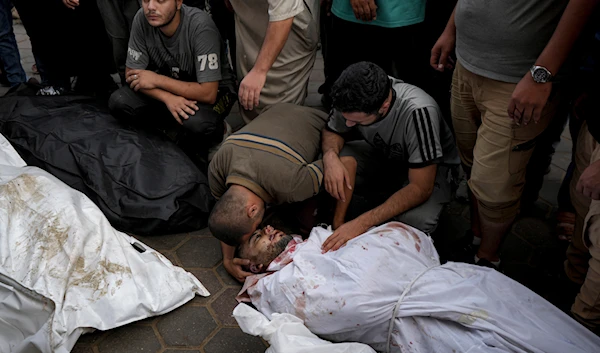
{"type": "Point", "coordinates": [541, 75]}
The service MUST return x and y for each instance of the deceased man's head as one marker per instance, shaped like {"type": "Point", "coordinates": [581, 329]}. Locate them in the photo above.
{"type": "Point", "coordinates": [263, 247]}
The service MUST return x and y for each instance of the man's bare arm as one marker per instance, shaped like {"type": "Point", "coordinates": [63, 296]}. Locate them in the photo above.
{"type": "Point", "coordinates": [145, 81]}
{"type": "Point", "coordinates": [253, 83]}
{"type": "Point", "coordinates": [331, 142]}
{"type": "Point", "coordinates": [571, 23]}
{"type": "Point", "coordinates": [336, 176]}
{"type": "Point", "coordinates": [419, 189]}
{"type": "Point", "coordinates": [205, 92]}
{"type": "Point", "coordinates": [529, 97]}
{"type": "Point", "coordinates": [234, 265]}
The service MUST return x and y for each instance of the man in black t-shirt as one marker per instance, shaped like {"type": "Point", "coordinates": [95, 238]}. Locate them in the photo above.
{"type": "Point", "coordinates": [176, 69]}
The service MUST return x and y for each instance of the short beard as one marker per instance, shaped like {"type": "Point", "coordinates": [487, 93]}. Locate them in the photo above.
{"type": "Point", "coordinates": [171, 19]}
{"type": "Point", "coordinates": [276, 250]}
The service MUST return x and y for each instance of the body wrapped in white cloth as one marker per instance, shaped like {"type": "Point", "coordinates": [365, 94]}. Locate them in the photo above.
{"type": "Point", "coordinates": [386, 288]}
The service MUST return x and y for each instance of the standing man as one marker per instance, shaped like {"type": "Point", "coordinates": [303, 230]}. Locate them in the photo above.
{"type": "Point", "coordinates": [387, 33]}
{"type": "Point", "coordinates": [117, 16]}
{"type": "Point", "coordinates": [276, 49]}
{"type": "Point", "coordinates": [404, 151]}
{"type": "Point", "coordinates": [176, 69]}
{"type": "Point", "coordinates": [503, 97]}
{"type": "Point", "coordinates": [10, 59]}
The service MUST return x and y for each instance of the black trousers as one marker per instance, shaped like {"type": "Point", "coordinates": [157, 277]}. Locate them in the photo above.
{"type": "Point", "coordinates": [401, 51]}
{"type": "Point", "coordinates": [198, 133]}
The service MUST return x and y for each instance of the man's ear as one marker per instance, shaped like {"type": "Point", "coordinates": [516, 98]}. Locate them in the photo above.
{"type": "Point", "coordinates": [254, 268]}
{"type": "Point", "coordinates": [252, 210]}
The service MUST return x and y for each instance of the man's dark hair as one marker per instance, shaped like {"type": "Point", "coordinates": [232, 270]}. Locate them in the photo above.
{"type": "Point", "coordinates": [228, 220]}
{"type": "Point", "coordinates": [362, 87]}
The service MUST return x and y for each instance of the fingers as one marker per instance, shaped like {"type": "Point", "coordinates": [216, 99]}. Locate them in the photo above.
{"type": "Point", "coordinates": [373, 8]}
{"type": "Point", "coordinates": [527, 115]}
{"type": "Point", "coordinates": [366, 11]}
{"type": "Point", "coordinates": [182, 114]}
{"type": "Point", "coordinates": [243, 95]}
{"type": "Point", "coordinates": [176, 116]}
{"type": "Point", "coordinates": [256, 98]}
{"type": "Point", "coordinates": [241, 262]}
{"type": "Point", "coordinates": [340, 190]}
{"type": "Point", "coordinates": [435, 57]}
{"type": "Point", "coordinates": [347, 179]}
{"type": "Point", "coordinates": [334, 242]}
{"type": "Point", "coordinates": [192, 104]}
{"type": "Point", "coordinates": [537, 115]}
{"type": "Point", "coordinates": [511, 109]}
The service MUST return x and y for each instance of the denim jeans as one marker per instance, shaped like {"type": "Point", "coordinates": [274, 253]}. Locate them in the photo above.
{"type": "Point", "coordinates": [9, 52]}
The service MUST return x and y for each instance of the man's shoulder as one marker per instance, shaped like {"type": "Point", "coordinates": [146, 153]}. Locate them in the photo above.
{"type": "Point", "coordinates": [197, 19]}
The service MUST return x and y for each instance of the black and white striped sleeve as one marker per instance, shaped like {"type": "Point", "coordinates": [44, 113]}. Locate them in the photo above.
{"type": "Point", "coordinates": [423, 137]}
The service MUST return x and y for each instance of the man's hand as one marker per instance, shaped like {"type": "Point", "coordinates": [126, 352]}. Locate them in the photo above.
{"type": "Point", "coordinates": [180, 107]}
{"type": "Point", "coordinates": [344, 233]}
{"type": "Point", "coordinates": [365, 10]}
{"type": "Point", "coordinates": [528, 100]}
{"type": "Point", "coordinates": [589, 182]}
{"type": "Point", "coordinates": [442, 50]}
{"type": "Point", "coordinates": [72, 4]}
{"type": "Point", "coordinates": [250, 88]}
{"type": "Point", "coordinates": [234, 267]}
{"type": "Point", "coordinates": [142, 79]}
{"type": "Point", "coordinates": [336, 177]}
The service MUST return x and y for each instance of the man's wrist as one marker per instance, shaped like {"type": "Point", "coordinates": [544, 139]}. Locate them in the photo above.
{"type": "Point", "coordinates": [331, 154]}
{"type": "Point", "coordinates": [257, 69]}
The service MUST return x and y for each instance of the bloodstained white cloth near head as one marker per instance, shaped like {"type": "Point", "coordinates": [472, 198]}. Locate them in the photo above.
{"type": "Point", "coordinates": [387, 289]}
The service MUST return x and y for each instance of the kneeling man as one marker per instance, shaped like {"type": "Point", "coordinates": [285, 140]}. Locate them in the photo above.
{"type": "Point", "coordinates": [270, 161]}
{"type": "Point", "coordinates": [177, 71]}
{"type": "Point", "coordinates": [404, 151]}
{"type": "Point", "coordinates": [387, 288]}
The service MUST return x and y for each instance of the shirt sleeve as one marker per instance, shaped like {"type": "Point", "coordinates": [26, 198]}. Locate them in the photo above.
{"type": "Point", "coordinates": [137, 51]}
{"type": "Point", "coordinates": [337, 123]}
{"type": "Point", "coordinates": [280, 10]}
{"type": "Point", "coordinates": [216, 179]}
{"type": "Point", "coordinates": [207, 52]}
{"type": "Point", "coordinates": [422, 138]}
{"type": "Point", "coordinates": [307, 184]}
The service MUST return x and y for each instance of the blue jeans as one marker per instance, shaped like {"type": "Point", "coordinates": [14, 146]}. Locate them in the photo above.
{"type": "Point", "coordinates": [9, 52]}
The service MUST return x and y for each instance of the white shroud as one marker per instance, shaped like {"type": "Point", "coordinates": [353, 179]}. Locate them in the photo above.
{"type": "Point", "coordinates": [387, 289]}
{"type": "Point", "coordinates": [65, 271]}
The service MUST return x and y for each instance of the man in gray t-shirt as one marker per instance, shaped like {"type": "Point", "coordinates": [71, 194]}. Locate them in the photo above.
{"type": "Point", "coordinates": [404, 150]}
{"type": "Point", "coordinates": [176, 69]}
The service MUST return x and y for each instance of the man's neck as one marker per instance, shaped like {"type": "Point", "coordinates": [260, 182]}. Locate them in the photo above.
{"type": "Point", "coordinates": [170, 28]}
{"type": "Point", "coordinates": [389, 105]}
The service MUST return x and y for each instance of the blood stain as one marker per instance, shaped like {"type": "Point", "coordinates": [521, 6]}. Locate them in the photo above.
{"type": "Point", "coordinates": [397, 243]}
{"type": "Point", "coordinates": [418, 247]}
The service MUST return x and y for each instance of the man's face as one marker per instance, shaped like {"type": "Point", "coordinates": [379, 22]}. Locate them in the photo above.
{"type": "Point", "coordinates": [356, 118]}
{"type": "Point", "coordinates": [160, 12]}
{"type": "Point", "coordinates": [265, 245]}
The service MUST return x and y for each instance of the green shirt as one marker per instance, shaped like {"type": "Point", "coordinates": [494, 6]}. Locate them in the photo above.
{"type": "Point", "coordinates": [390, 13]}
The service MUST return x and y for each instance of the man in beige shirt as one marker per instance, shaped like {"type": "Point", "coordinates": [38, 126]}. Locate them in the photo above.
{"type": "Point", "coordinates": [276, 49]}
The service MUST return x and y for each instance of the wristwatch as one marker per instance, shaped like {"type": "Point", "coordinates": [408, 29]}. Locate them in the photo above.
{"type": "Point", "coordinates": [540, 74]}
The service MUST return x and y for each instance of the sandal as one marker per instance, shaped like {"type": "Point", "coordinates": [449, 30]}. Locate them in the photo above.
{"type": "Point", "coordinates": [565, 226]}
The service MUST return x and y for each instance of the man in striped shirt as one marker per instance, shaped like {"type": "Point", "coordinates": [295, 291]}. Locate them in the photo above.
{"type": "Point", "coordinates": [404, 152]}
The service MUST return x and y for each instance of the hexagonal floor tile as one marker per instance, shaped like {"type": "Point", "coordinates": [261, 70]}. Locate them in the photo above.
{"type": "Point", "coordinates": [202, 232]}
{"type": "Point", "coordinates": [200, 252]}
{"type": "Point", "coordinates": [229, 340]}
{"type": "Point", "coordinates": [186, 326]}
{"type": "Point", "coordinates": [91, 338]}
{"type": "Point", "coordinates": [223, 306]}
{"type": "Point", "coordinates": [162, 242]}
{"type": "Point", "coordinates": [226, 277]}
{"type": "Point", "coordinates": [210, 281]}
{"type": "Point", "coordinates": [130, 339]}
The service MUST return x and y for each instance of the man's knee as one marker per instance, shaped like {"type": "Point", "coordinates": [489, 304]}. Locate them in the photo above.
{"type": "Point", "coordinates": [205, 124]}
{"type": "Point", "coordinates": [425, 217]}
{"type": "Point", "coordinates": [119, 103]}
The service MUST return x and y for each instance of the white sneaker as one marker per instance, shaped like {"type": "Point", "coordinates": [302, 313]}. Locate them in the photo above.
{"type": "Point", "coordinates": [214, 149]}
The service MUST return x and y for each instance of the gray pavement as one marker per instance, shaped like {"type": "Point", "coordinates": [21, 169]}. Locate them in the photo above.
{"type": "Point", "coordinates": [530, 254]}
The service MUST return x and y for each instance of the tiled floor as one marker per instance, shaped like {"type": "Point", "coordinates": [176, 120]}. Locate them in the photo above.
{"type": "Point", "coordinates": [530, 253]}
